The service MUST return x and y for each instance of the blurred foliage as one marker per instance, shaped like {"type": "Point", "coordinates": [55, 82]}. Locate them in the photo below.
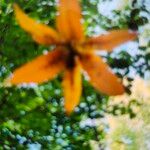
{"type": "Point", "coordinates": [33, 116]}
{"type": "Point", "coordinates": [131, 134]}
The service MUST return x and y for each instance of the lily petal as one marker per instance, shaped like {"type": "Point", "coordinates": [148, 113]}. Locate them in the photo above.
{"type": "Point", "coordinates": [110, 40]}
{"type": "Point", "coordinates": [41, 69]}
{"type": "Point", "coordinates": [41, 33]}
{"type": "Point", "coordinates": [68, 21]}
{"type": "Point", "coordinates": [100, 75]}
{"type": "Point", "coordinates": [72, 87]}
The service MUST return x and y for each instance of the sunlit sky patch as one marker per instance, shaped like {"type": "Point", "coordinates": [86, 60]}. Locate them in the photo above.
{"type": "Point", "coordinates": [106, 7]}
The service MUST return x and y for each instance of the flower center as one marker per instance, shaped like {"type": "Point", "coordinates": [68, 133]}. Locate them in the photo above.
{"type": "Point", "coordinates": [72, 56]}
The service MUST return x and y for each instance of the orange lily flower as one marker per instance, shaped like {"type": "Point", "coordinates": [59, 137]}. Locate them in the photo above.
{"type": "Point", "coordinates": [73, 53]}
